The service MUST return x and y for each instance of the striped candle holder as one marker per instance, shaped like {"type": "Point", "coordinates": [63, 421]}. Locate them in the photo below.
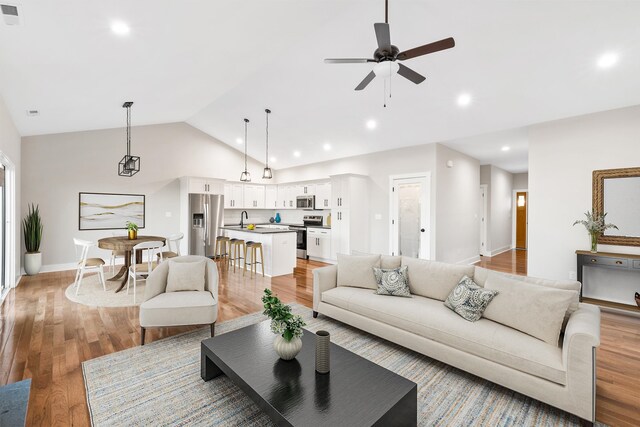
{"type": "Point", "coordinates": [323, 339]}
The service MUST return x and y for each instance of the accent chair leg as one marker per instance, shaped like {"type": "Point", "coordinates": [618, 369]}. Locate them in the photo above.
{"type": "Point", "coordinates": [315, 314]}
{"type": "Point", "coordinates": [213, 329]}
{"type": "Point", "coordinates": [142, 333]}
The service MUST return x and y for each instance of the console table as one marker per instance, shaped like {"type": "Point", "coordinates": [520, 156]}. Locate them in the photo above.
{"type": "Point", "coordinates": [606, 260]}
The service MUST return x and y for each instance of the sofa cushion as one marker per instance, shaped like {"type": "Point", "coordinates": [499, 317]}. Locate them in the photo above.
{"type": "Point", "coordinates": [392, 281]}
{"type": "Point", "coordinates": [357, 270]}
{"type": "Point", "coordinates": [469, 300]}
{"type": "Point", "coordinates": [535, 310]}
{"type": "Point", "coordinates": [430, 319]}
{"type": "Point", "coordinates": [389, 261]}
{"type": "Point", "coordinates": [434, 279]}
{"type": "Point", "coordinates": [481, 275]}
{"type": "Point", "coordinates": [186, 276]}
{"type": "Point", "coordinates": [178, 308]}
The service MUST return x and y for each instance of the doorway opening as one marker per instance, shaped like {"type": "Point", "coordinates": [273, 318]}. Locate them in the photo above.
{"type": "Point", "coordinates": [411, 215]}
{"type": "Point", "coordinates": [521, 202]}
{"type": "Point", "coordinates": [7, 226]}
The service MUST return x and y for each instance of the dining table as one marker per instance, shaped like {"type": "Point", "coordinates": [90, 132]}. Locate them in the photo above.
{"type": "Point", "coordinates": [124, 244]}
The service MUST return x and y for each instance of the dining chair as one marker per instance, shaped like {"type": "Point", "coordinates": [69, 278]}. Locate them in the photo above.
{"type": "Point", "coordinates": [173, 246]}
{"type": "Point", "coordinates": [85, 263]}
{"type": "Point", "coordinates": [140, 271]}
{"type": "Point", "coordinates": [116, 254]}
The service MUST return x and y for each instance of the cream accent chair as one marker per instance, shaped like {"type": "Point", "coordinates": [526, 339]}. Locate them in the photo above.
{"type": "Point", "coordinates": [181, 308]}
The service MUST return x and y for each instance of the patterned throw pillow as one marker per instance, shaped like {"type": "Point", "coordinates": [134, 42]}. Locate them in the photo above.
{"type": "Point", "coordinates": [469, 300]}
{"type": "Point", "coordinates": [392, 281]}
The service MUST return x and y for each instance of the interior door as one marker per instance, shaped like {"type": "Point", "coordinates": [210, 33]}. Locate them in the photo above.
{"type": "Point", "coordinates": [410, 217]}
{"type": "Point", "coordinates": [521, 220]}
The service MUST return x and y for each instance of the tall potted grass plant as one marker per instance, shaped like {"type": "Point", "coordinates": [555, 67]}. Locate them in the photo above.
{"type": "Point", "coordinates": [32, 230]}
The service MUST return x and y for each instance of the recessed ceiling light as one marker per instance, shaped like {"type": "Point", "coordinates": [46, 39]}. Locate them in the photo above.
{"type": "Point", "coordinates": [239, 141]}
{"type": "Point", "coordinates": [327, 147]}
{"type": "Point", "coordinates": [371, 124]}
{"type": "Point", "coordinates": [273, 159]}
{"type": "Point", "coordinates": [296, 154]}
{"type": "Point", "coordinates": [608, 60]}
{"type": "Point", "coordinates": [120, 28]}
{"type": "Point", "coordinates": [464, 99]}
{"type": "Point", "coordinates": [506, 148]}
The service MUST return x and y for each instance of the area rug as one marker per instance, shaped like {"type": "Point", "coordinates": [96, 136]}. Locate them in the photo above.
{"type": "Point", "coordinates": [159, 384]}
{"type": "Point", "coordinates": [92, 294]}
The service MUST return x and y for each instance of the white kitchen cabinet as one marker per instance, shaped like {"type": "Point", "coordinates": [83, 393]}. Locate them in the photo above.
{"type": "Point", "coordinates": [204, 185]}
{"type": "Point", "coordinates": [254, 196]}
{"type": "Point", "coordinates": [282, 197]}
{"type": "Point", "coordinates": [271, 197]}
{"type": "Point", "coordinates": [323, 195]}
{"type": "Point", "coordinates": [349, 214]}
{"type": "Point", "coordinates": [233, 196]}
{"type": "Point", "coordinates": [292, 194]}
{"type": "Point", "coordinates": [306, 189]}
{"type": "Point", "coordinates": [319, 243]}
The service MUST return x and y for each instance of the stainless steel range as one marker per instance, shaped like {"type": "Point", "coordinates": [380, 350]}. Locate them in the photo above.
{"type": "Point", "coordinates": [301, 233]}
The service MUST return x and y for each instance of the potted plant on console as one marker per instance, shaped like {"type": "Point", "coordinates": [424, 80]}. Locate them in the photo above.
{"type": "Point", "coordinates": [132, 228]}
{"type": "Point", "coordinates": [32, 230]}
{"type": "Point", "coordinates": [286, 325]}
{"type": "Point", "coordinates": [595, 225]}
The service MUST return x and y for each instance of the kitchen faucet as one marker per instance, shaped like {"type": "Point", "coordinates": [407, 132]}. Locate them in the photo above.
{"type": "Point", "coordinates": [242, 216]}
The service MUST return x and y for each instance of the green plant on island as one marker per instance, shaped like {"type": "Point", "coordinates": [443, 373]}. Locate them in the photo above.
{"type": "Point", "coordinates": [283, 322]}
{"type": "Point", "coordinates": [32, 229]}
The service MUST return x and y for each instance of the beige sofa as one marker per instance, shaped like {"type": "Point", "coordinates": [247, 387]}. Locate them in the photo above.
{"type": "Point", "coordinates": [562, 376]}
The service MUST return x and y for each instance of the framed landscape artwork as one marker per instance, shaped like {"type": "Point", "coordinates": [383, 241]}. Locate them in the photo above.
{"type": "Point", "coordinates": [107, 211]}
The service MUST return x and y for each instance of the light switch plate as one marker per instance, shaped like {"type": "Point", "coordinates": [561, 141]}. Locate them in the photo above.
{"type": "Point", "coordinates": [572, 275]}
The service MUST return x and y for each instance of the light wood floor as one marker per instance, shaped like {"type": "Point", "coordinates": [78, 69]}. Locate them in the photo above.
{"type": "Point", "coordinates": [45, 337]}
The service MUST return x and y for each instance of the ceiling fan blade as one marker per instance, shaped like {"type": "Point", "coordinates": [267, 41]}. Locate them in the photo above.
{"type": "Point", "coordinates": [426, 49]}
{"type": "Point", "coordinates": [409, 74]}
{"type": "Point", "coordinates": [366, 81]}
{"type": "Point", "coordinates": [347, 60]}
{"type": "Point", "coordinates": [382, 34]}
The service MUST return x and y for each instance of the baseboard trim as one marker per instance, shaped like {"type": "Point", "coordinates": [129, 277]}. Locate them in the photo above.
{"type": "Point", "coordinates": [501, 250]}
{"type": "Point", "coordinates": [58, 267]}
{"type": "Point", "coordinates": [469, 261]}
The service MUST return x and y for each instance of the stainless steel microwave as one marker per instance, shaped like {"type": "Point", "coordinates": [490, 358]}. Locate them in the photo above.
{"type": "Point", "coordinates": [306, 202]}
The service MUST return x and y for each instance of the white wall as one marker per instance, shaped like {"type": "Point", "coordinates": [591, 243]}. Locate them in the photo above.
{"type": "Point", "coordinates": [456, 240]}
{"type": "Point", "coordinates": [520, 181]}
{"type": "Point", "coordinates": [501, 210]}
{"type": "Point", "coordinates": [11, 148]}
{"type": "Point", "coordinates": [562, 156]}
{"type": "Point", "coordinates": [58, 167]}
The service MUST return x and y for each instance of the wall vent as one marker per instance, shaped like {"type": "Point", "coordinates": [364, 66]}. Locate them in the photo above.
{"type": "Point", "coordinates": [10, 14]}
{"type": "Point", "coordinates": [32, 113]}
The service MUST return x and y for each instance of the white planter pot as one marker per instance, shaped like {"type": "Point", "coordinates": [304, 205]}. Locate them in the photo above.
{"type": "Point", "coordinates": [32, 263]}
{"type": "Point", "coordinates": [287, 350]}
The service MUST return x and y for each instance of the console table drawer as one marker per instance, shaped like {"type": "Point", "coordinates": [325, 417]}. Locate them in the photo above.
{"type": "Point", "coordinates": [614, 262]}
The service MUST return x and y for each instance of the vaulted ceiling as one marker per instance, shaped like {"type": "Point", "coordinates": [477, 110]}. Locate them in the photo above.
{"type": "Point", "coordinates": [212, 63]}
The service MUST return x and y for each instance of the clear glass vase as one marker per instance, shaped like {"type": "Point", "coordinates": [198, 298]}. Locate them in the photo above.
{"type": "Point", "coordinates": [594, 242]}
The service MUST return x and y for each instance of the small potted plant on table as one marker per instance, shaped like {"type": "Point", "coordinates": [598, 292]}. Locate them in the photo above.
{"type": "Point", "coordinates": [595, 225]}
{"type": "Point", "coordinates": [32, 230]}
{"type": "Point", "coordinates": [132, 228]}
{"type": "Point", "coordinates": [286, 325]}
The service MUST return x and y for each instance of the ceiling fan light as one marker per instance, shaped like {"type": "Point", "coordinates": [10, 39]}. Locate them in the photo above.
{"type": "Point", "coordinates": [267, 173]}
{"type": "Point", "coordinates": [385, 69]}
{"type": "Point", "coordinates": [245, 176]}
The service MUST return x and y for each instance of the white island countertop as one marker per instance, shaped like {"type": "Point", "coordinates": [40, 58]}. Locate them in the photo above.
{"type": "Point", "coordinates": [278, 245]}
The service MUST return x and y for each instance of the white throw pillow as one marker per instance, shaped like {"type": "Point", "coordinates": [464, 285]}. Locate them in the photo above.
{"type": "Point", "coordinates": [535, 310]}
{"type": "Point", "coordinates": [186, 276]}
{"type": "Point", "coordinates": [433, 279]}
{"type": "Point", "coordinates": [357, 271]}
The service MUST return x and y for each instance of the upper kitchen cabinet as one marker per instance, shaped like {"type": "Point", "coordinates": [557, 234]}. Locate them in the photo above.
{"type": "Point", "coordinates": [197, 185]}
{"type": "Point", "coordinates": [233, 196]}
{"type": "Point", "coordinates": [254, 196]}
{"type": "Point", "coordinates": [271, 197]}
{"type": "Point", "coordinates": [305, 189]}
{"type": "Point", "coordinates": [323, 195]}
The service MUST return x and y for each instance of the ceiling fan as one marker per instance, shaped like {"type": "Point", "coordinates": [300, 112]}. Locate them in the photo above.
{"type": "Point", "coordinates": [387, 54]}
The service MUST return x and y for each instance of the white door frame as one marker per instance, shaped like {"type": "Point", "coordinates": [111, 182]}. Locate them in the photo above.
{"type": "Point", "coordinates": [514, 207]}
{"type": "Point", "coordinates": [484, 229]}
{"type": "Point", "coordinates": [10, 223]}
{"type": "Point", "coordinates": [429, 250]}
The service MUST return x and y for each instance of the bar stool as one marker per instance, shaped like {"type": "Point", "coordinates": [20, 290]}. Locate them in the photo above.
{"type": "Point", "coordinates": [253, 247]}
{"type": "Point", "coordinates": [222, 247]}
{"type": "Point", "coordinates": [237, 247]}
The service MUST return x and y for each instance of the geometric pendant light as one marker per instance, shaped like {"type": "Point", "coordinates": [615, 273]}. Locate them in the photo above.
{"type": "Point", "coordinates": [267, 174]}
{"type": "Point", "coordinates": [129, 165]}
{"type": "Point", "coordinates": [245, 176]}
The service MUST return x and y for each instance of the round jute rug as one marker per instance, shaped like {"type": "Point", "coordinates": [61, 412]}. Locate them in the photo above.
{"type": "Point", "coordinates": [92, 294]}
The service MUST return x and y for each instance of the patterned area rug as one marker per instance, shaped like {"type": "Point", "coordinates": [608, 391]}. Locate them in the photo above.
{"type": "Point", "coordinates": [92, 294]}
{"type": "Point", "coordinates": [159, 384]}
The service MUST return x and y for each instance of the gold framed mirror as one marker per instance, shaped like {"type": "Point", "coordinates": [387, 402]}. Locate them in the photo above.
{"type": "Point", "coordinates": [617, 192]}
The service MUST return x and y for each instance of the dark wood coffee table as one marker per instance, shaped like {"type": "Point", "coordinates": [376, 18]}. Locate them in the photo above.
{"type": "Point", "coordinates": [356, 392]}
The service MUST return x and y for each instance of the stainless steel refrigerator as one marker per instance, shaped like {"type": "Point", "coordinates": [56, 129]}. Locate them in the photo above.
{"type": "Point", "coordinates": [206, 213]}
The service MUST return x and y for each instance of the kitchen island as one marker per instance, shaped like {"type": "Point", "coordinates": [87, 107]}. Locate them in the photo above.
{"type": "Point", "coordinates": [278, 244]}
